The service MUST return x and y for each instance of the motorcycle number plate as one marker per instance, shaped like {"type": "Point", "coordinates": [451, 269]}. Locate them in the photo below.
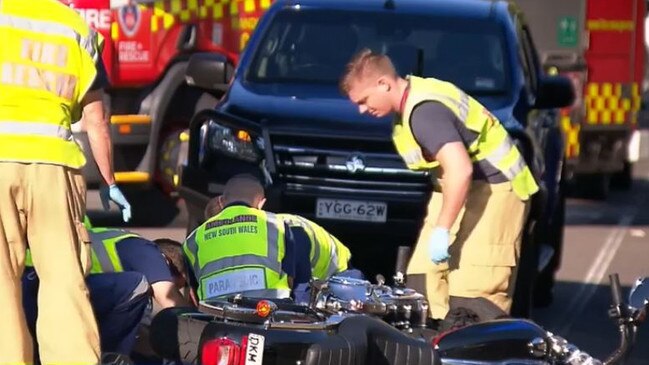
{"type": "Point", "coordinates": [255, 349]}
{"type": "Point", "coordinates": [353, 210]}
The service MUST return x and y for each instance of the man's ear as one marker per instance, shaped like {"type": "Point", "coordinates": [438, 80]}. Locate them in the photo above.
{"type": "Point", "coordinates": [384, 84]}
{"type": "Point", "coordinates": [261, 203]}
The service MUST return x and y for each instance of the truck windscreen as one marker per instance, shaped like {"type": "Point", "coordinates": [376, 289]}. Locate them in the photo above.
{"type": "Point", "coordinates": [313, 46]}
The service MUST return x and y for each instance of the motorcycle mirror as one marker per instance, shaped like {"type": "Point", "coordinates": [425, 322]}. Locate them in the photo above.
{"type": "Point", "coordinates": [639, 295]}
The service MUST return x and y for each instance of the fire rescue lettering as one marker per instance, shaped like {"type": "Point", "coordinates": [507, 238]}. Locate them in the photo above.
{"type": "Point", "coordinates": [42, 78]}
{"type": "Point", "coordinates": [132, 51]}
{"type": "Point", "coordinates": [96, 18]}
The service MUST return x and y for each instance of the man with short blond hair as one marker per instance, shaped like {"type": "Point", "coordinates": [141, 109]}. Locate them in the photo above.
{"type": "Point", "coordinates": [470, 241]}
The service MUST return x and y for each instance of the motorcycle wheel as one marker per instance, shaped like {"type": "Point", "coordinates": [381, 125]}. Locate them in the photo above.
{"type": "Point", "coordinates": [189, 336]}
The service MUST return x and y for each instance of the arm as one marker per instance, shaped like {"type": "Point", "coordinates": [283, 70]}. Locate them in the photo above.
{"type": "Point", "coordinates": [97, 126]}
{"type": "Point", "coordinates": [289, 260]}
{"type": "Point", "coordinates": [192, 283]}
{"type": "Point", "coordinates": [437, 131]}
{"type": "Point", "coordinates": [302, 248]}
{"type": "Point", "coordinates": [143, 256]}
{"type": "Point", "coordinates": [167, 295]}
{"type": "Point", "coordinates": [458, 169]}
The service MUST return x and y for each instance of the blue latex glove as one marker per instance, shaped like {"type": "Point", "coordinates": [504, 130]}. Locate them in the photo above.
{"type": "Point", "coordinates": [438, 245]}
{"type": "Point", "coordinates": [112, 192]}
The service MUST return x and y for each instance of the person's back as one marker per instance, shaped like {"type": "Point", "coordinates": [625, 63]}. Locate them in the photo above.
{"type": "Point", "coordinates": [327, 254]}
{"type": "Point", "coordinates": [241, 249]}
{"type": "Point", "coordinates": [44, 71]}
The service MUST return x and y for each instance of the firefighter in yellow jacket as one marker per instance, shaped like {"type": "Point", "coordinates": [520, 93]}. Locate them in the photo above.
{"type": "Point", "coordinates": [470, 242]}
{"type": "Point", "coordinates": [49, 62]}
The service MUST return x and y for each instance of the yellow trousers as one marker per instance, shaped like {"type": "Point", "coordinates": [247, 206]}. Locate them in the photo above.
{"type": "Point", "coordinates": [484, 250]}
{"type": "Point", "coordinates": [43, 206]}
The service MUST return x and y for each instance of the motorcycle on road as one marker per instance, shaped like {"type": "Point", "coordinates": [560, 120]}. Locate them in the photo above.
{"type": "Point", "coordinates": [349, 321]}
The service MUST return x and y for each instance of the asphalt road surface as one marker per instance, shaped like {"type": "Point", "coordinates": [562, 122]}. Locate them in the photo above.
{"type": "Point", "coordinates": [601, 237]}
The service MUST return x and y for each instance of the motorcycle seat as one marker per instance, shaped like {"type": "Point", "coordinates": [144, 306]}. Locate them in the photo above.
{"type": "Point", "coordinates": [366, 340]}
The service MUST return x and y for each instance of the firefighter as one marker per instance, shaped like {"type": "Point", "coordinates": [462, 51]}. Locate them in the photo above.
{"type": "Point", "coordinates": [242, 249]}
{"type": "Point", "coordinates": [470, 241]}
{"type": "Point", "coordinates": [51, 75]}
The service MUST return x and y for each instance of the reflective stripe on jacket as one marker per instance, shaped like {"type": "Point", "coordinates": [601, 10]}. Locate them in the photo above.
{"type": "Point", "coordinates": [492, 144]}
{"type": "Point", "coordinates": [47, 64]}
{"type": "Point", "coordinates": [103, 250]}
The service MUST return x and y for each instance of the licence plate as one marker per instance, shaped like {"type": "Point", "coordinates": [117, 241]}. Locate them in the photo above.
{"type": "Point", "coordinates": [255, 349]}
{"type": "Point", "coordinates": [352, 210]}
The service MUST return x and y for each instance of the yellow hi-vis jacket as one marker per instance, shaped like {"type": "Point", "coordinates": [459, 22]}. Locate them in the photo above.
{"type": "Point", "coordinates": [239, 250]}
{"type": "Point", "coordinates": [492, 144]}
{"type": "Point", "coordinates": [327, 254]}
{"type": "Point", "coordinates": [47, 64]}
{"type": "Point", "coordinates": [103, 250]}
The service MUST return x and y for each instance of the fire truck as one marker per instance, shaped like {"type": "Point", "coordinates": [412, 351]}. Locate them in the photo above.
{"type": "Point", "coordinates": [599, 45]}
{"type": "Point", "coordinates": [146, 51]}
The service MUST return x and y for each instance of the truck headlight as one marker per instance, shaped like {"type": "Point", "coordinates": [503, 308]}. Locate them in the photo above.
{"type": "Point", "coordinates": [232, 142]}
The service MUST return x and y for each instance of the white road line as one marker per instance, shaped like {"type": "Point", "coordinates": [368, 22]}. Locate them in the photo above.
{"type": "Point", "coordinates": [596, 272]}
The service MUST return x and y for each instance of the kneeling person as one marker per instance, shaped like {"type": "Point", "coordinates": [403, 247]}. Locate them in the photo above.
{"type": "Point", "coordinates": [242, 249]}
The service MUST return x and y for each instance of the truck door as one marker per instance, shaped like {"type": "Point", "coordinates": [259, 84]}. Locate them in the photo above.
{"type": "Point", "coordinates": [133, 49]}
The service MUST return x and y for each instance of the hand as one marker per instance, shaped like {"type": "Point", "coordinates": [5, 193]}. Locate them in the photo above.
{"type": "Point", "coordinates": [113, 193]}
{"type": "Point", "coordinates": [438, 245]}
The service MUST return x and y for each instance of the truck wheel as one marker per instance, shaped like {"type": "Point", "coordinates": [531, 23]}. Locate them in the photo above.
{"type": "Point", "coordinates": [526, 272]}
{"type": "Point", "coordinates": [544, 285]}
{"type": "Point", "coordinates": [172, 156]}
{"type": "Point", "coordinates": [623, 180]}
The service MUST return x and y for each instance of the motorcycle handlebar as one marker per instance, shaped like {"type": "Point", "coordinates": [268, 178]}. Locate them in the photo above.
{"type": "Point", "coordinates": [616, 291]}
{"type": "Point", "coordinates": [403, 254]}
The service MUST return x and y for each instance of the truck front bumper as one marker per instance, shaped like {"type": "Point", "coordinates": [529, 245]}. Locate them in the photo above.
{"type": "Point", "coordinates": [603, 150]}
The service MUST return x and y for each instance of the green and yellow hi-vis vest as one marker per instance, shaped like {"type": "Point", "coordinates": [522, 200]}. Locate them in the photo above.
{"type": "Point", "coordinates": [492, 144]}
{"type": "Point", "coordinates": [240, 250]}
{"type": "Point", "coordinates": [327, 254]}
{"type": "Point", "coordinates": [103, 250]}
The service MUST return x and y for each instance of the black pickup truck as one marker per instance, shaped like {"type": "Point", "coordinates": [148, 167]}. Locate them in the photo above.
{"type": "Point", "coordinates": [283, 118]}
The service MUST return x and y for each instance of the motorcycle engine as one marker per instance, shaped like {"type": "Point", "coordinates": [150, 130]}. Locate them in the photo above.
{"type": "Point", "coordinates": [402, 308]}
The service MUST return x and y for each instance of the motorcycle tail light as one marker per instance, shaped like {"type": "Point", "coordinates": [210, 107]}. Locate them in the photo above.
{"type": "Point", "coordinates": [222, 351]}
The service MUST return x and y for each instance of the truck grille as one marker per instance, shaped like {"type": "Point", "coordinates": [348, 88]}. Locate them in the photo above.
{"type": "Point", "coordinates": [345, 166]}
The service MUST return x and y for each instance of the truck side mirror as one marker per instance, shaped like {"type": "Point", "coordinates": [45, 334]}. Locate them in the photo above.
{"type": "Point", "coordinates": [554, 92]}
{"type": "Point", "coordinates": [210, 71]}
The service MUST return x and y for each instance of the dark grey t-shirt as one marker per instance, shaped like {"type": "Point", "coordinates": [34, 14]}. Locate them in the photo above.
{"type": "Point", "coordinates": [434, 125]}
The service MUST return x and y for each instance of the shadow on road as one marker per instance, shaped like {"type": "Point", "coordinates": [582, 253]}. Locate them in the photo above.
{"type": "Point", "coordinates": [587, 325]}
{"type": "Point", "coordinates": [581, 211]}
